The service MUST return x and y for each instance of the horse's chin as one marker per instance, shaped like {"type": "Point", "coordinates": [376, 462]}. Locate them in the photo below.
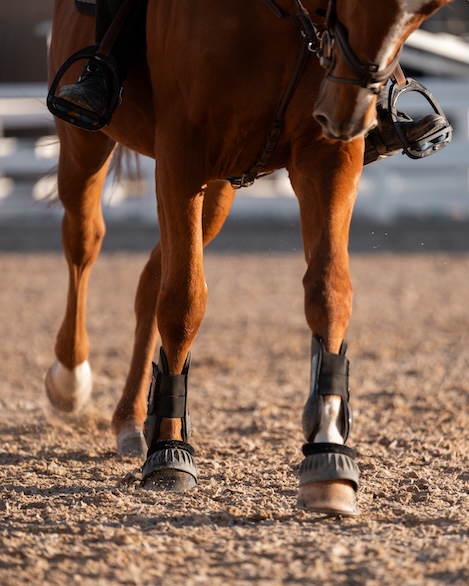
{"type": "Point", "coordinates": [345, 131]}
{"type": "Point", "coordinates": [344, 136]}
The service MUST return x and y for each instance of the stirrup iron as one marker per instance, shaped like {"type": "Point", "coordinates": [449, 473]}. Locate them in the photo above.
{"type": "Point", "coordinates": [76, 115]}
{"type": "Point", "coordinates": [431, 142]}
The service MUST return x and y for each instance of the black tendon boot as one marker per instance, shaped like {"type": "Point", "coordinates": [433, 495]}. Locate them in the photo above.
{"type": "Point", "coordinates": [170, 464]}
{"type": "Point", "coordinates": [328, 474]}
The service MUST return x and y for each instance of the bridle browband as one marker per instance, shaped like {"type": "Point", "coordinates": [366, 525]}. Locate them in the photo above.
{"type": "Point", "coordinates": [322, 41]}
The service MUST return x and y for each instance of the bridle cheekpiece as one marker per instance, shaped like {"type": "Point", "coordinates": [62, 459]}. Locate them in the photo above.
{"type": "Point", "coordinates": [323, 41]}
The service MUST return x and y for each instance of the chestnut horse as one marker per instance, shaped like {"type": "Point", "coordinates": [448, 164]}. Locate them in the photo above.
{"type": "Point", "coordinates": [228, 90]}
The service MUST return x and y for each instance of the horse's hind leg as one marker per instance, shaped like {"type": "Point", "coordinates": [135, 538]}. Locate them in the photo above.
{"type": "Point", "coordinates": [82, 169]}
{"type": "Point", "coordinates": [326, 186]}
{"type": "Point", "coordinates": [132, 407]}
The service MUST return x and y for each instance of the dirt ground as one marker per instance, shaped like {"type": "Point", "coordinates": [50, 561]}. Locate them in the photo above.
{"type": "Point", "coordinates": [71, 512]}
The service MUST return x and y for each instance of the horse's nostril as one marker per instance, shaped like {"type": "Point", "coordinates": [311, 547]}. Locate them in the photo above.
{"type": "Point", "coordinates": [321, 119]}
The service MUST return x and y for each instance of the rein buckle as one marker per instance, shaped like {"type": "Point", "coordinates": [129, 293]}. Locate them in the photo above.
{"type": "Point", "coordinates": [324, 52]}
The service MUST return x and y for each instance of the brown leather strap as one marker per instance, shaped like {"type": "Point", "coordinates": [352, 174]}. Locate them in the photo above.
{"type": "Point", "coordinates": [399, 75]}
{"type": "Point", "coordinates": [113, 31]}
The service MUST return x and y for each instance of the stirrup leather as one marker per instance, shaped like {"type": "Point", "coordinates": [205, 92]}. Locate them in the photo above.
{"type": "Point", "coordinates": [76, 115]}
{"type": "Point", "coordinates": [329, 376]}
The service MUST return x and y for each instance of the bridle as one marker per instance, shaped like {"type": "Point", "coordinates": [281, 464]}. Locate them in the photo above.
{"type": "Point", "coordinates": [368, 75]}
{"type": "Point", "coordinates": [323, 40]}
{"type": "Point", "coordinates": [318, 40]}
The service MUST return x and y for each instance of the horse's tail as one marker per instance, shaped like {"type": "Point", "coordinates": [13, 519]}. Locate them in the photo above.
{"type": "Point", "coordinates": [125, 167]}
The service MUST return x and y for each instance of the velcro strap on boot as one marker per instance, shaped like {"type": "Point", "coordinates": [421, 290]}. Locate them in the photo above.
{"type": "Point", "coordinates": [167, 398]}
{"type": "Point", "coordinates": [329, 376]}
{"type": "Point", "coordinates": [310, 449]}
{"type": "Point", "coordinates": [333, 375]}
{"type": "Point", "coordinates": [170, 399]}
{"type": "Point", "coordinates": [87, 7]}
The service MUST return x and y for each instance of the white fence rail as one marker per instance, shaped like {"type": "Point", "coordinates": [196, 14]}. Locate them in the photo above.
{"type": "Point", "coordinates": [436, 186]}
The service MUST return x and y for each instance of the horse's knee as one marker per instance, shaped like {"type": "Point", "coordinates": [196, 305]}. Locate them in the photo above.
{"type": "Point", "coordinates": [180, 312]}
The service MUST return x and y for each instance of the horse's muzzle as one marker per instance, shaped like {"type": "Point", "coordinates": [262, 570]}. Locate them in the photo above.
{"type": "Point", "coordinates": [346, 131]}
{"type": "Point", "coordinates": [345, 115]}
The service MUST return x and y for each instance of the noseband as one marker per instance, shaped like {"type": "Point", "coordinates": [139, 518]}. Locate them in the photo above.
{"type": "Point", "coordinates": [322, 42]}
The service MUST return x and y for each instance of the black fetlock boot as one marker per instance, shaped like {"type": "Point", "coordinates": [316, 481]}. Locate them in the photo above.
{"type": "Point", "coordinates": [328, 475]}
{"type": "Point", "coordinates": [170, 464]}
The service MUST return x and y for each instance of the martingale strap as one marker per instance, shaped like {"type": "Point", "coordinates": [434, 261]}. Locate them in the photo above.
{"type": "Point", "coordinates": [310, 39]}
{"type": "Point", "coordinates": [258, 169]}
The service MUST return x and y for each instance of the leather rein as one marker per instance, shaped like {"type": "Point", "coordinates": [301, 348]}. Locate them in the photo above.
{"type": "Point", "coordinates": [319, 40]}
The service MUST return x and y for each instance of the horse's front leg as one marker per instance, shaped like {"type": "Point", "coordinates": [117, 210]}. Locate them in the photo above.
{"type": "Point", "coordinates": [132, 407]}
{"type": "Point", "coordinates": [180, 308]}
{"type": "Point", "coordinates": [326, 184]}
{"type": "Point", "coordinates": [82, 169]}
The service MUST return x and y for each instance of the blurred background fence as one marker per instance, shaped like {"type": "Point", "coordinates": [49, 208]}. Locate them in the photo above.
{"type": "Point", "coordinates": [437, 55]}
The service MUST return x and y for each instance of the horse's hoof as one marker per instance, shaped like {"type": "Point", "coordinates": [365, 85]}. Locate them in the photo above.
{"type": "Point", "coordinates": [131, 444]}
{"type": "Point", "coordinates": [335, 497]}
{"type": "Point", "coordinates": [170, 466]}
{"type": "Point", "coordinates": [329, 479]}
{"type": "Point", "coordinates": [68, 390]}
{"type": "Point", "coordinates": [171, 480]}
